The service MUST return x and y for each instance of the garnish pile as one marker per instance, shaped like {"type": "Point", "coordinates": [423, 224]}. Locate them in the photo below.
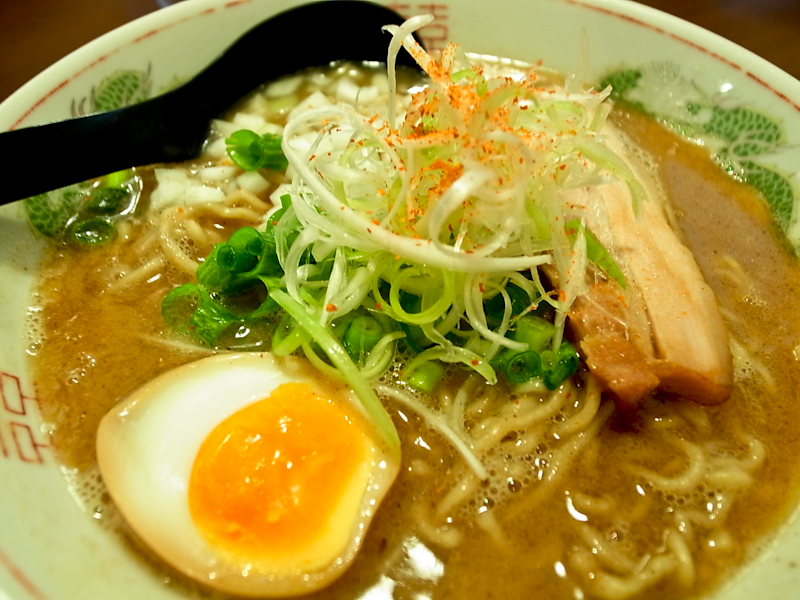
{"type": "Point", "coordinates": [428, 235]}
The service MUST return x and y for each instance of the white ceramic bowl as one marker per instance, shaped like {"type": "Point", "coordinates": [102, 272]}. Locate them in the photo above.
{"type": "Point", "coordinates": [49, 548]}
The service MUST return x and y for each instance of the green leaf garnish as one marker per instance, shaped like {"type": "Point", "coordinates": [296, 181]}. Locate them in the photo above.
{"type": "Point", "coordinates": [251, 151]}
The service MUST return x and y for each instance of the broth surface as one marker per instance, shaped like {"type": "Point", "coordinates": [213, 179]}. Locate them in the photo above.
{"type": "Point", "coordinates": [596, 526]}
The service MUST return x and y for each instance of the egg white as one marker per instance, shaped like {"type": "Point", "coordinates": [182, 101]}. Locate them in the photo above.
{"type": "Point", "coordinates": [146, 448]}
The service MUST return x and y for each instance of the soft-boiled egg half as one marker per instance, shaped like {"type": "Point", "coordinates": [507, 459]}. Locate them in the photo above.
{"type": "Point", "coordinates": [246, 473]}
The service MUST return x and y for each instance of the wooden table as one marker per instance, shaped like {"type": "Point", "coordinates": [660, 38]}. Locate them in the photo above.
{"type": "Point", "coordinates": [36, 33]}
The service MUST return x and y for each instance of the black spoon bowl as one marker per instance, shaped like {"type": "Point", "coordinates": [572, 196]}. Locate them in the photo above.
{"type": "Point", "coordinates": [173, 126]}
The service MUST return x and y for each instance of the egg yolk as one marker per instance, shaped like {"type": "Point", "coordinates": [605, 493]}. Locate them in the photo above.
{"type": "Point", "coordinates": [267, 479]}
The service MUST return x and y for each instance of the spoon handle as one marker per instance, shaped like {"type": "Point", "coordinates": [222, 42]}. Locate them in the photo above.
{"type": "Point", "coordinates": [46, 157]}
{"type": "Point", "coordinates": [172, 127]}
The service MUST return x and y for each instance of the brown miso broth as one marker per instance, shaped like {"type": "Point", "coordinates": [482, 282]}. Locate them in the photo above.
{"type": "Point", "coordinates": [570, 514]}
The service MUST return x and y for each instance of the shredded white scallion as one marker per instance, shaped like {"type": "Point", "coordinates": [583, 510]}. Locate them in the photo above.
{"type": "Point", "coordinates": [438, 423]}
{"type": "Point", "coordinates": [399, 35]}
{"type": "Point", "coordinates": [429, 219]}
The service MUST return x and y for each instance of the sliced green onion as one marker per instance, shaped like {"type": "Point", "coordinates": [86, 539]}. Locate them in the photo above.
{"type": "Point", "coordinates": [242, 251]}
{"type": "Point", "coordinates": [247, 255]}
{"type": "Point", "coordinates": [91, 232]}
{"type": "Point", "coordinates": [117, 179]}
{"type": "Point", "coordinates": [210, 320]}
{"type": "Point", "coordinates": [559, 365]}
{"type": "Point", "coordinates": [211, 273]}
{"type": "Point", "coordinates": [523, 367]}
{"type": "Point", "coordinates": [426, 376]}
{"type": "Point", "coordinates": [362, 334]}
{"type": "Point", "coordinates": [179, 305]}
{"type": "Point", "coordinates": [597, 253]}
{"type": "Point", "coordinates": [251, 151]}
{"type": "Point", "coordinates": [288, 336]}
{"type": "Point", "coordinates": [534, 331]}
{"type": "Point", "coordinates": [108, 201]}
{"type": "Point", "coordinates": [381, 356]}
{"type": "Point", "coordinates": [442, 294]}
{"type": "Point", "coordinates": [189, 309]}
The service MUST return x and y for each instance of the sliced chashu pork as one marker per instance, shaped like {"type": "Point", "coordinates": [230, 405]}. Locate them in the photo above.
{"type": "Point", "coordinates": [687, 350]}
{"type": "Point", "coordinates": [615, 343]}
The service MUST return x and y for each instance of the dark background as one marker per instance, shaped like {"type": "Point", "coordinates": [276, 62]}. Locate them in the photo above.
{"type": "Point", "coordinates": [36, 33]}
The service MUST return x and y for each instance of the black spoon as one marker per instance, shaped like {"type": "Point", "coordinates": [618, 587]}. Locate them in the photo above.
{"type": "Point", "coordinates": [172, 127]}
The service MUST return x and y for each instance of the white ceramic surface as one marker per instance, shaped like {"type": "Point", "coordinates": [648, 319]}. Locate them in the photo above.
{"type": "Point", "coordinates": [49, 547]}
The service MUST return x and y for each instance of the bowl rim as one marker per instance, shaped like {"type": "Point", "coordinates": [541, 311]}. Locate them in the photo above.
{"type": "Point", "coordinates": [41, 86]}
{"type": "Point", "coordinates": [17, 107]}
{"type": "Point", "coordinates": [770, 77]}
